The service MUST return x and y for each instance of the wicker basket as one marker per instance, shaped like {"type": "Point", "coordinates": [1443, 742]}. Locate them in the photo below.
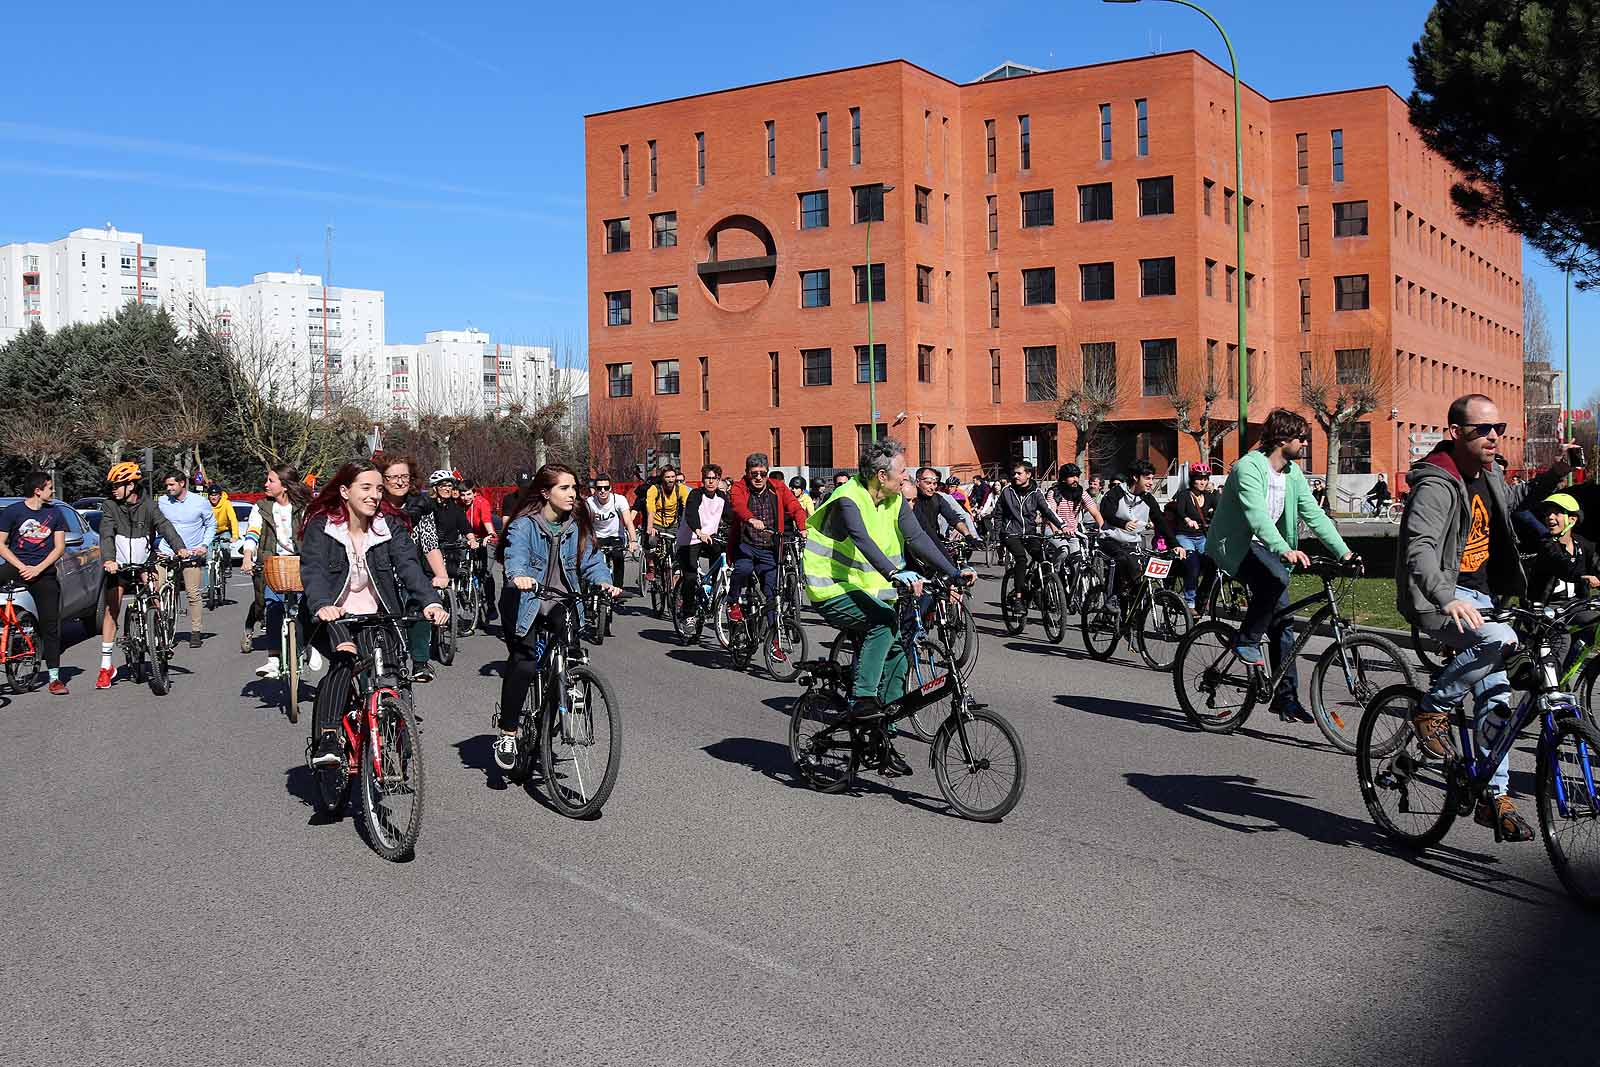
{"type": "Point", "coordinates": [283, 574]}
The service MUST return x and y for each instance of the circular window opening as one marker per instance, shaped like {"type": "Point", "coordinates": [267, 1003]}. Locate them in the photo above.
{"type": "Point", "coordinates": [741, 263]}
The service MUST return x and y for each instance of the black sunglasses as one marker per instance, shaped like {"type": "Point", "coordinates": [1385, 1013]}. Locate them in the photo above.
{"type": "Point", "coordinates": [1484, 429]}
{"type": "Point", "coordinates": [757, 474]}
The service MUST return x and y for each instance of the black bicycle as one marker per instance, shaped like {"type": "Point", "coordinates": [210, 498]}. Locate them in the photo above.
{"type": "Point", "coordinates": [976, 754]}
{"type": "Point", "coordinates": [1153, 618]}
{"type": "Point", "coordinates": [571, 721]}
{"type": "Point", "coordinates": [1041, 588]}
{"type": "Point", "coordinates": [771, 626]}
{"type": "Point", "coordinates": [663, 573]}
{"type": "Point", "coordinates": [219, 568]}
{"type": "Point", "coordinates": [146, 634]}
{"type": "Point", "coordinates": [466, 589]}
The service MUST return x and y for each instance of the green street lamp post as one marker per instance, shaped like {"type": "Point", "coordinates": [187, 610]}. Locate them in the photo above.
{"type": "Point", "coordinates": [1238, 213]}
{"type": "Point", "coordinates": [872, 354]}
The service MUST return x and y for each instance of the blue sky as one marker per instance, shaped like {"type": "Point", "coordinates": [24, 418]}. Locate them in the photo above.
{"type": "Point", "coordinates": [444, 144]}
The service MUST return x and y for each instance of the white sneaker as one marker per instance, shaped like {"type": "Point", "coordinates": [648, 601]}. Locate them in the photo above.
{"type": "Point", "coordinates": [270, 669]}
{"type": "Point", "coordinates": [314, 661]}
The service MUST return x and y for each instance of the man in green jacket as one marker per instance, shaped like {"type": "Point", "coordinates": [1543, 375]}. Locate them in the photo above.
{"type": "Point", "coordinates": [1255, 537]}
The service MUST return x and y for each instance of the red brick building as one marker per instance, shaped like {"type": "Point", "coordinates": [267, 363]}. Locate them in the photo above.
{"type": "Point", "coordinates": [1044, 232]}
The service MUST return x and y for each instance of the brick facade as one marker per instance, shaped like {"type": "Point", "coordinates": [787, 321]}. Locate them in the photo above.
{"type": "Point", "coordinates": [1444, 301]}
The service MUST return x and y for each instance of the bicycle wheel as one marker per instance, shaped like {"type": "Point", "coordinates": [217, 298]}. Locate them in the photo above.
{"type": "Point", "coordinates": [1214, 688]}
{"type": "Point", "coordinates": [1013, 612]}
{"type": "Point", "coordinates": [963, 638]}
{"type": "Point", "coordinates": [24, 667]}
{"type": "Point", "coordinates": [1430, 653]}
{"type": "Point", "coordinates": [1411, 794]}
{"type": "Point", "coordinates": [982, 777]}
{"type": "Point", "coordinates": [169, 608]}
{"type": "Point", "coordinates": [1349, 673]}
{"type": "Point", "coordinates": [291, 662]}
{"type": "Point", "coordinates": [581, 751]}
{"type": "Point", "coordinates": [823, 747]}
{"type": "Point", "coordinates": [1052, 612]}
{"type": "Point", "coordinates": [1568, 788]}
{"type": "Point", "coordinates": [160, 684]}
{"type": "Point", "coordinates": [1165, 622]}
{"type": "Point", "coordinates": [133, 641]}
{"type": "Point", "coordinates": [330, 786]}
{"type": "Point", "coordinates": [1229, 599]}
{"type": "Point", "coordinates": [720, 624]}
{"type": "Point", "coordinates": [1099, 625]}
{"type": "Point", "coordinates": [791, 638]}
{"type": "Point", "coordinates": [924, 724]}
{"type": "Point", "coordinates": [464, 619]}
{"type": "Point", "coordinates": [392, 780]}
{"type": "Point", "coordinates": [444, 637]}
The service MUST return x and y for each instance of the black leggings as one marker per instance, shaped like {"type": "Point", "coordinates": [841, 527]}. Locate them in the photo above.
{"type": "Point", "coordinates": [1022, 555]}
{"type": "Point", "coordinates": [522, 663]}
{"type": "Point", "coordinates": [46, 590]}
{"type": "Point", "coordinates": [1127, 573]}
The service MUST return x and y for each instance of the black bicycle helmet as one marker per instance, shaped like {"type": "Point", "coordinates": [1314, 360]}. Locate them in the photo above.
{"type": "Point", "coordinates": [1070, 470]}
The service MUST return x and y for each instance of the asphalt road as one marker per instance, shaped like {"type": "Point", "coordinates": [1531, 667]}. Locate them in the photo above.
{"type": "Point", "coordinates": [1158, 897]}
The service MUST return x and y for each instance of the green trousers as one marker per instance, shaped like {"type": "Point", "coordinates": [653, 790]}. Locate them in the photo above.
{"type": "Point", "coordinates": [421, 641]}
{"type": "Point", "coordinates": [881, 663]}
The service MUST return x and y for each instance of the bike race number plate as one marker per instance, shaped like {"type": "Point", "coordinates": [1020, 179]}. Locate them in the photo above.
{"type": "Point", "coordinates": [1157, 568]}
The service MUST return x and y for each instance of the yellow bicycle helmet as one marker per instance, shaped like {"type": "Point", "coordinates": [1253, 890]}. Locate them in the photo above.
{"type": "Point", "coordinates": [123, 473]}
{"type": "Point", "coordinates": [1561, 502]}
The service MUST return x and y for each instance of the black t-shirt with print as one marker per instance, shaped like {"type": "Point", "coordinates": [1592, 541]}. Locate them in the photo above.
{"type": "Point", "coordinates": [31, 535]}
{"type": "Point", "coordinates": [1476, 548]}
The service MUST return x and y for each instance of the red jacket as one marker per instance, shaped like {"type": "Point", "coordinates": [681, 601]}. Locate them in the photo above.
{"type": "Point", "coordinates": [480, 517]}
{"type": "Point", "coordinates": [788, 507]}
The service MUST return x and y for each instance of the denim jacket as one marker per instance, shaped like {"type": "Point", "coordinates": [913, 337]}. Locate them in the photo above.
{"type": "Point", "coordinates": [528, 556]}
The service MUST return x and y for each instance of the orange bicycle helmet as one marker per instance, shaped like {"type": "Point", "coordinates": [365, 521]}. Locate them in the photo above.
{"type": "Point", "coordinates": [123, 473]}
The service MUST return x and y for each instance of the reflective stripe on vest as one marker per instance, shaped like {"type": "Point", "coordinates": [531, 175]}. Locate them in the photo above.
{"type": "Point", "coordinates": [835, 567]}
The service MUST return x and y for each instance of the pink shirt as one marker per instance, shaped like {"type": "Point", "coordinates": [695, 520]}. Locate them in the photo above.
{"type": "Point", "coordinates": [359, 597]}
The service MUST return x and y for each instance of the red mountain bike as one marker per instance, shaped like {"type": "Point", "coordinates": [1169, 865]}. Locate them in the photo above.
{"type": "Point", "coordinates": [17, 645]}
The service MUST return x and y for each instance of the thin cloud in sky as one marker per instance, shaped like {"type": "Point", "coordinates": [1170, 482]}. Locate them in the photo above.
{"type": "Point", "coordinates": [20, 131]}
{"type": "Point", "coordinates": [455, 50]}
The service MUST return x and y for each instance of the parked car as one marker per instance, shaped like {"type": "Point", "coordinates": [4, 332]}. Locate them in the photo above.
{"type": "Point", "coordinates": [242, 513]}
{"type": "Point", "coordinates": [78, 570]}
{"type": "Point", "coordinates": [88, 503]}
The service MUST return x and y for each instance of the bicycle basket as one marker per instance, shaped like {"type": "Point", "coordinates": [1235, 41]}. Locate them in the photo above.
{"type": "Point", "coordinates": [282, 573]}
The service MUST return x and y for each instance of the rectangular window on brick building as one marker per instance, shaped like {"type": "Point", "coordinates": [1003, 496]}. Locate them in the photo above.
{"type": "Point", "coordinates": [1160, 366]}
{"type": "Point", "coordinates": [1355, 454]}
{"type": "Point", "coordinates": [989, 150]}
{"type": "Point", "coordinates": [1039, 208]}
{"type": "Point", "coordinates": [618, 235]}
{"type": "Point", "coordinates": [664, 229]}
{"type": "Point", "coordinates": [1350, 293]}
{"type": "Point", "coordinates": [1303, 222]}
{"type": "Point", "coordinates": [1155, 196]}
{"type": "Point", "coordinates": [1039, 373]}
{"type": "Point", "coordinates": [705, 447]}
{"type": "Point", "coordinates": [1249, 289]}
{"type": "Point", "coordinates": [855, 135]}
{"type": "Point", "coordinates": [1141, 110]}
{"type": "Point", "coordinates": [619, 308]}
{"type": "Point", "coordinates": [868, 202]}
{"type": "Point", "coordinates": [1098, 281]}
{"type": "Point", "coordinates": [1100, 365]}
{"type": "Point", "coordinates": [619, 379]}
{"type": "Point", "coordinates": [666, 376]}
{"type": "Point", "coordinates": [1337, 136]}
{"type": "Point", "coordinates": [1039, 286]}
{"type": "Point", "coordinates": [921, 205]}
{"type": "Point", "coordinates": [1227, 206]}
{"type": "Point", "coordinates": [1305, 305]}
{"type": "Point", "coordinates": [994, 300]}
{"type": "Point", "coordinates": [772, 147]}
{"type": "Point", "coordinates": [664, 303]}
{"type": "Point", "coordinates": [774, 446]}
{"type": "Point", "coordinates": [699, 159]}
{"type": "Point", "coordinates": [1024, 142]}
{"type": "Point", "coordinates": [1206, 188]}
{"type": "Point", "coordinates": [814, 210]}
{"type": "Point", "coordinates": [924, 284]}
{"type": "Point", "coordinates": [1094, 202]}
{"type": "Point", "coordinates": [1305, 368]}
{"type": "Point", "coordinates": [819, 447]}
{"type": "Point", "coordinates": [925, 444]}
{"type": "Point", "coordinates": [654, 172]}
{"type": "Point", "coordinates": [1248, 204]}
{"type": "Point", "coordinates": [1211, 277]}
{"type": "Point", "coordinates": [705, 383]}
{"type": "Point", "coordinates": [822, 140]}
{"type": "Point", "coordinates": [925, 363]}
{"type": "Point", "coordinates": [1302, 166]}
{"type": "Point", "coordinates": [878, 366]}
{"type": "Point", "coordinates": [994, 223]}
{"type": "Point", "coordinates": [816, 366]}
{"type": "Point", "coordinates": [626, 176]}
{"type": "Point", "coordinates": [1350, 219]}
{"type": "Point", "coordinates": [815, 288]}
{"type": "Point", "coordinates": [1227, 283]}
{"type": "Point", "coordinates": [869, 286]}
{"type": "Point", "coordinates": [1105, 131]}
{"type": "Point", "coordinates": [772, 378]}
{"type": "Point", "coordinates": [994, 376]}
{"type": "Point", "coordinates": [1158, 277]}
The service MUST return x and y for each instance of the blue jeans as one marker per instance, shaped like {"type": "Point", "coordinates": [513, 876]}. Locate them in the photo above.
{"type": "Point", "coordinates": [1478, 666]}
{"type": "Point", "coordinates": [764, 561]}
{"type": "Point", "coordinates": [1196, 546]}
{"type": "Point", "coordinates": [1267, 580]}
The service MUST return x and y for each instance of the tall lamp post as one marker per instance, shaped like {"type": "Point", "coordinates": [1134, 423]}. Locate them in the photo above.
{"type": "Point", "coordinates": [872, 354]}
{"type": "Point", "coordinates": [1238, 213]}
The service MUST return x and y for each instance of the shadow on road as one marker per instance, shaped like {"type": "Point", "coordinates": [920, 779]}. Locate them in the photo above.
{"type": "Point", "coordinates": [783, 706]}
{"type": "Point", "coordinates": [772, 760]}
{"type": "Point", "coordinates": [297, 780]}
{"type": "Point", "coordinates": [700, 657]}
{"type": "Point", "coordinates": [477, 754]}
{"type": "Point", "coordinates": [1240, 803]}
{"type": "Point", "coordinates": [1044, 648]}
{"type": "Point", "coordinates": [661, 637]}
{"type": "Point", "coordinates": [492, 669]}
{"type": "Point", "coordinates": [1130, 710]}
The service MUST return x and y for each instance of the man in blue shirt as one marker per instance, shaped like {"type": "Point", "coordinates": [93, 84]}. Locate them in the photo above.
{"type": "Point", "coordinates": [192, 518]}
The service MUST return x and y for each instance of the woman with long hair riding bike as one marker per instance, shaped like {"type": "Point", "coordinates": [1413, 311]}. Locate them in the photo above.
{"type": "Point", "coordinates": [271, 532]}
{"type": "Point", "coordinates": [544, 526]}
{"type": "Point", "coordinates": [356, 558]}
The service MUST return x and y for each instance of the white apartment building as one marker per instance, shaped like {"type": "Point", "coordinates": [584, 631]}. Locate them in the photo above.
{"type": "Point", "coordinates": [89, 274]}
{"type": "Point", "coordinates": [331, 338]}
{"type": "Point", "coordinates": [465, 372]}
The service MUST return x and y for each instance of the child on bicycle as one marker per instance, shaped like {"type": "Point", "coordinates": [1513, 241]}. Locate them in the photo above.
{"type": "Point", "coordinates": [1567, 566]}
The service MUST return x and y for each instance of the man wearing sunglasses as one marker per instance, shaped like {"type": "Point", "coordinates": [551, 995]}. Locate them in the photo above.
{"type": "Point", "coordinates": [762, 509]}
{"type": "Point", "coordinates": [1458, 557]}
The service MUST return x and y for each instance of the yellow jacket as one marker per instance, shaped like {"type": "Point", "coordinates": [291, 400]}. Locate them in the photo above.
{"type": "Point", "coordinates": [227, 521]}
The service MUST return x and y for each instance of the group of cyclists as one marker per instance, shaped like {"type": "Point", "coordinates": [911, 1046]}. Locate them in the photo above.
{"type": "Point", "coordinates": [372, 541]}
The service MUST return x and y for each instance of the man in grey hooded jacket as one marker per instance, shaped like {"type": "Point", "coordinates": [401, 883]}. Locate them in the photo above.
{"type": "Point", "coordinates": [1458, 557]}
